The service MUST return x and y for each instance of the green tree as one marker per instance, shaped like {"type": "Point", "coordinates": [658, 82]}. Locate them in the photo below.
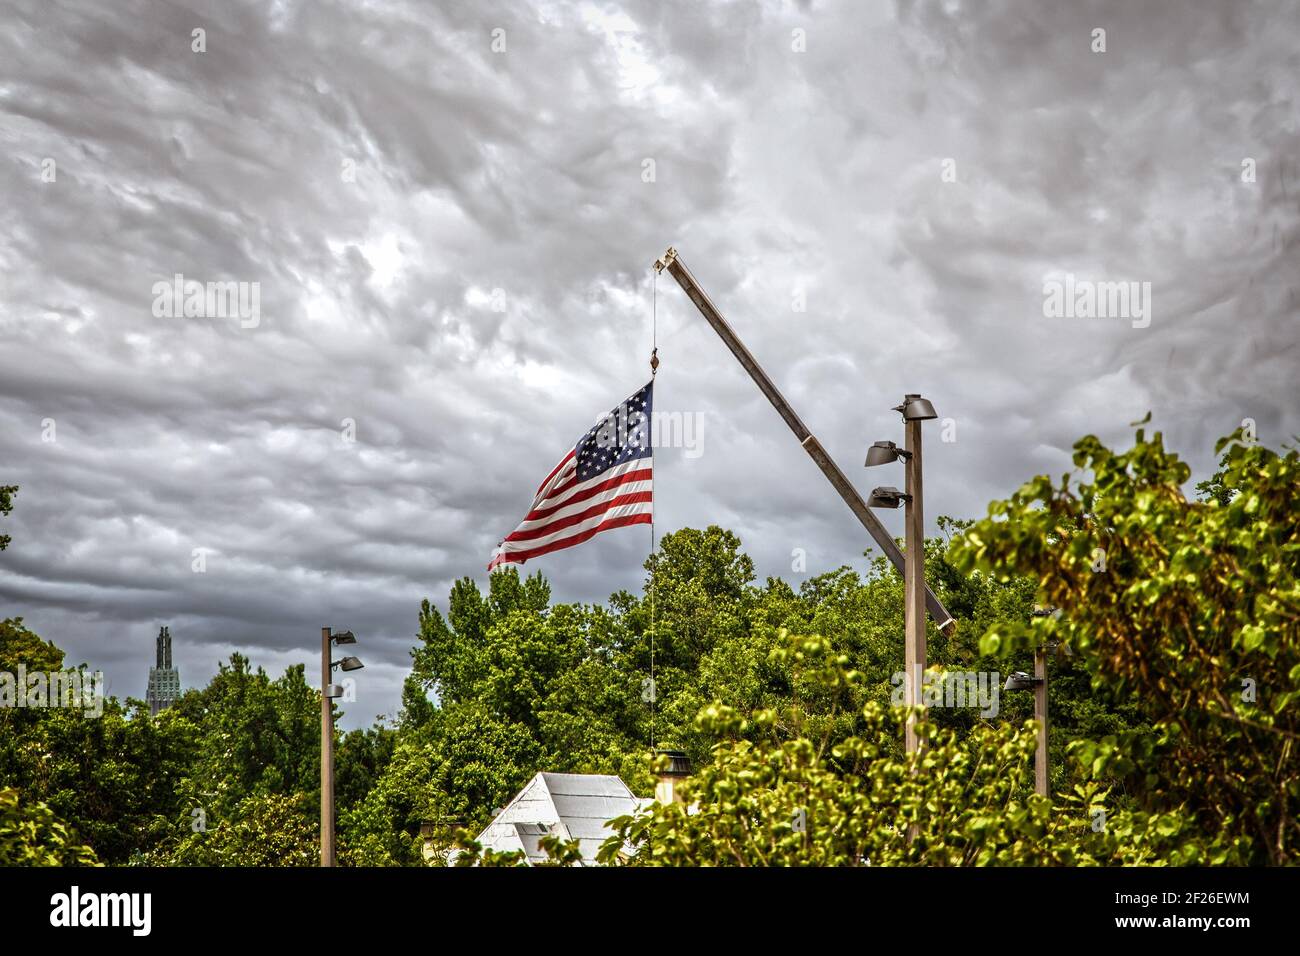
{"type": "Point", "coordinates": [382, 827]}
{"type": "Point", "coordinates": [564, 688]}
{"type": "Point", "coordinates": [271, 829]}
{"type": "Point", "coordinates": [1191, 609]}
{"type": "Point", "coordinates": [786, 798]}
{"type": "Point", "coordinates": [18, 645]}
{"type": "Point", "coordinates": [31, 835]}
{"type": "Point", "coordinates": [257, 735]}
{"type": "Point", "coordinates": [521, 685]}
{"type": "Point", "coordinates": [7, 493]}
{"type": "Point", "coordinates": [112, 773]}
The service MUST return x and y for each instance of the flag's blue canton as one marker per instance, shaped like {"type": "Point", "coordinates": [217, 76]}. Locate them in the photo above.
{"type": "Point", "coordinates": [621, 436]}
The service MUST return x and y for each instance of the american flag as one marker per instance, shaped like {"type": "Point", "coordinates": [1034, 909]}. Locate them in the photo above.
{"type": "Point", "coordinates": [604, 482]}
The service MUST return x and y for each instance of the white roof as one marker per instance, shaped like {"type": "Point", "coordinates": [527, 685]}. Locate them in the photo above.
{"type": "Point", "coordinates": [572, 806]}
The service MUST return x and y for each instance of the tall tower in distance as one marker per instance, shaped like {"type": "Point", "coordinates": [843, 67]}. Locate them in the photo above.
{"type": "Point", "coordinates": [164, 679]}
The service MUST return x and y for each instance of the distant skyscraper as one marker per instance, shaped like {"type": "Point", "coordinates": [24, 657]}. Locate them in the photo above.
{"type": "Point", "coordinates": [164, 680]}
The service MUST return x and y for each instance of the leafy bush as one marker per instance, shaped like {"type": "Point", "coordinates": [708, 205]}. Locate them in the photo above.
{"type": "Point", "coordinates": [31, 835]}
{"type": "Point", "coordinates": [962, 801]}
{"type": "Point", "coordinates": [1191, 609]}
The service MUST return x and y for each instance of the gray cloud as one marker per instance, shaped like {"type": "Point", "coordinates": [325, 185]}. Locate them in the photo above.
{"type": "Point", "coordinates": [515, 179]}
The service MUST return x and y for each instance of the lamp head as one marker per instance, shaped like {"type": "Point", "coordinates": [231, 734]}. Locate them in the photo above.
{"type": "Point", "coordinates": [1021, 681]}
{"type": "Point", "coordinates": [883, 452]}
{"type": "Point", "coordinates": [887, 498]}
{"type": "Point", "coordinates": [916, 409]}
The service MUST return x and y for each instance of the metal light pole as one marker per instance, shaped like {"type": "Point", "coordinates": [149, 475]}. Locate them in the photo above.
{"type": "Point", "coordinates": [1019, 680]}
{"type": "Point", "coordinates": [1040, 715]}
{"type": "Point", "coordinates": [326, 750]}
{"type": "Point", "coordinates": [1038, 684]}
{"type": "Point", "coordinates": [914, 576]}
{"type": "Point", "coordinates": [328, 691]}
{"type": "Point", "coordinates": [915, 410]}
{"type": "Point", "coordinates": [1040, 707]}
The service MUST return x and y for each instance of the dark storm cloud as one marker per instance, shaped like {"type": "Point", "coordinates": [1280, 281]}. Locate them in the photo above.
{"type": "Point", "coordinates": [479, 289]}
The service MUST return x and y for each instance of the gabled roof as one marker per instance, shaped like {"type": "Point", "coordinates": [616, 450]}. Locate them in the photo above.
{"type": "Point", "coordinates": [571, 806]}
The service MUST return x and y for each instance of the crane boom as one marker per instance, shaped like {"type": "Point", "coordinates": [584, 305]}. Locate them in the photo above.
{"type": "Point", "coordinates": [677, 269]}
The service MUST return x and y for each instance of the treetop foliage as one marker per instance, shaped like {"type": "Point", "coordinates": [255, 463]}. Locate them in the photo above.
{"type": "Point", "coordinates": [1174, 678]}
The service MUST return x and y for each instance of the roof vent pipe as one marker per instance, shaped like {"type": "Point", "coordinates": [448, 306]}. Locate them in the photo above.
{"type": "Point", "coordinates": [670, 778]}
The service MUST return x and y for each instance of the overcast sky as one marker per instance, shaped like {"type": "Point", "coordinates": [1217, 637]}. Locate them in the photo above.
{"type": "Point", "coordinates": [451, 211]}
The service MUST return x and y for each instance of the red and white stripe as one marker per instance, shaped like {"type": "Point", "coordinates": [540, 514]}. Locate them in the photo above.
{"type": "Point", "coordinates": [568, 512]}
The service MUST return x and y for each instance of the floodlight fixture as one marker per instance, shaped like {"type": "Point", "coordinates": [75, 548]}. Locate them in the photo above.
{"type": "Point", "coordinates": [1019, 680]}
{"type": "Point", "coordinates": [887, 498]}
{"type": "Point", "coordinates": [884, 452]}
{"type": "Point", "coordinates": [916, 409]}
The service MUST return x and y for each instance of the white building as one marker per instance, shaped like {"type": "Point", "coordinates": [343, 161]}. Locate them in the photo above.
{"type": "Point", "coordinates": [574, 806]}
{"type": "Point", "coordinates": [570, 806]}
